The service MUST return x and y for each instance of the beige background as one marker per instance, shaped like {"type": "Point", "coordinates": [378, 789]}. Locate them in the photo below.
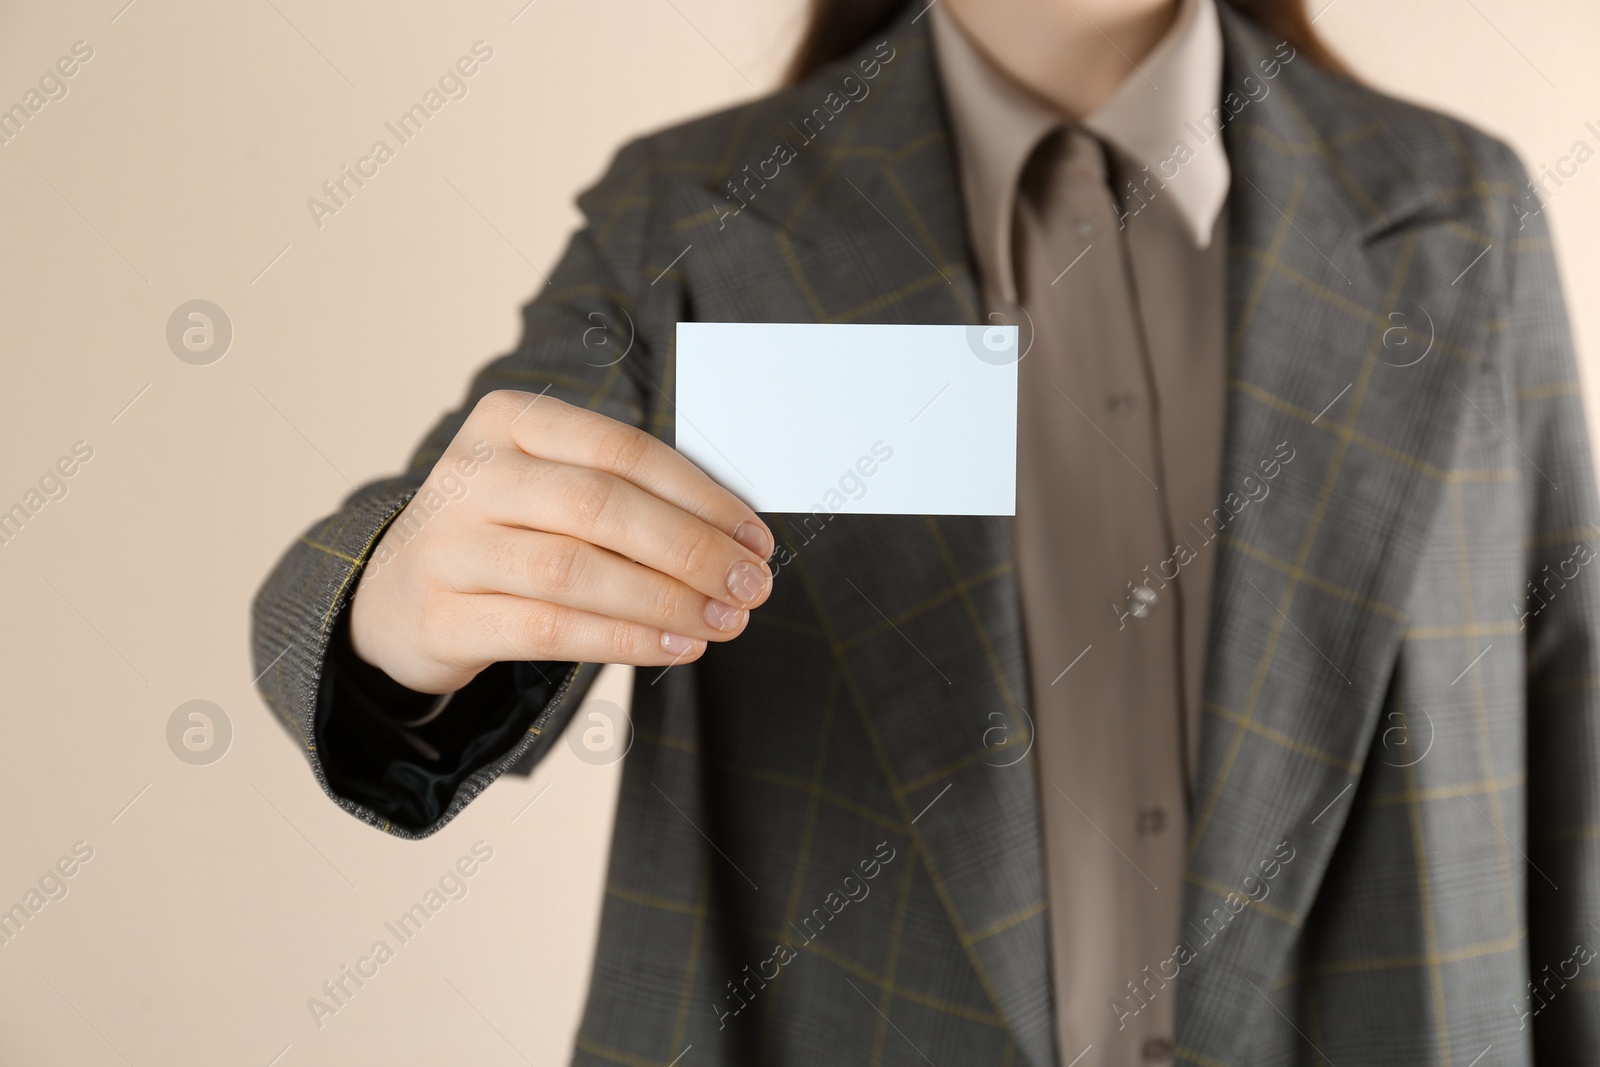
{"type": "Point", "coordinates": [219, 898]}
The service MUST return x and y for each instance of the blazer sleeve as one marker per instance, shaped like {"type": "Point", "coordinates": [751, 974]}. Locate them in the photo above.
{"type": "Point", "coordinates": [1562, 648]}
{"type": "Point", "coordinates": [580, 343]}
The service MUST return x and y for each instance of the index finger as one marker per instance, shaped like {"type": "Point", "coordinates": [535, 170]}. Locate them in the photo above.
{"type": "Point", "coordinates": [551, 429]}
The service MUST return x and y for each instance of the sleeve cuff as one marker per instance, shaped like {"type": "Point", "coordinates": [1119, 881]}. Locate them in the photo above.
{"type": "Point", "coordinates": [403, 754]}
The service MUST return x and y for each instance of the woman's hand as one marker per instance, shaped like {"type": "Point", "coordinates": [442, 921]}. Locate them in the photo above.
{"type": "Point", "coordinates": [549, 532]}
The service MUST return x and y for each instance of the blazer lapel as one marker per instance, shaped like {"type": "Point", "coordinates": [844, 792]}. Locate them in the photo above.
{"type": "Point", "coordinates": [1334, 294]}
{"type": "Point", "coordinates": [922, 614]}
{"type": "Point", "coordinates": [1329, 272]}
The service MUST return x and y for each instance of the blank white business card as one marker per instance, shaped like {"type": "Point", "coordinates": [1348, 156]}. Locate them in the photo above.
{"type": "Point", "coordinates": [850, 418]}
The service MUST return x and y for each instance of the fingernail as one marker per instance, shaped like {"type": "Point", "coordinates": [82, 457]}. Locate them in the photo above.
{"type": "Point", "coordinates": [746, 580]}
{"type": "Point", "coordinates": [755, 537]}
{"type": "Point", "coordinates": [677, 644]}
{"type": "Point", "coordinates": [720, 616]}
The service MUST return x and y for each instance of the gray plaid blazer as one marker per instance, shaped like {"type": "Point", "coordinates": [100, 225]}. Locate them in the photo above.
{"type": "Point", "coordinates": [1387, 697]}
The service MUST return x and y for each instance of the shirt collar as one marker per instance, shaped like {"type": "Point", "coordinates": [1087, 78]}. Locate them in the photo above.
{"type": "Point", "coordinates": [997, 124]}
{"type": "Point", "coordinates": [1152, 113]}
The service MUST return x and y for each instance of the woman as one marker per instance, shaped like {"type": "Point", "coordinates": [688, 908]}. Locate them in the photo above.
{"type": "Point", "coordinates": [1225, 749]}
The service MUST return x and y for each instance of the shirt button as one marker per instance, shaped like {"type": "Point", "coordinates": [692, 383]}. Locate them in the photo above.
{"type": "Point", "coordinates": [1143, 599]}
{"type": "Point", "coordinates": [1086, 227]}
{"type": "Point", "coordinates": [1152, 820]}
{"type": "Point", "coordinates": [1121, 402]}
{"type": "Point", "coordinates": [1156, 1050]}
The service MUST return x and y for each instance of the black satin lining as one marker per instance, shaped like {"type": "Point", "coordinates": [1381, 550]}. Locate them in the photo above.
{"type": "Point", "coordinates": [368, 758]}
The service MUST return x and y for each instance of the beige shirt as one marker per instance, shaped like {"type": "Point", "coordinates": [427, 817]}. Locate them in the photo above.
{"type": "Point", "coordinates": [1115, 273]}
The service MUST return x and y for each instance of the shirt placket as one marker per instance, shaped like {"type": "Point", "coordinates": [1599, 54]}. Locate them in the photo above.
{"type": "Point", "coordinates": [1091, 528]}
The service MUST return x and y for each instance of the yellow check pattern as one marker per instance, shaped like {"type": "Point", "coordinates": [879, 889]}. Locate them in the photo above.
{"type": "Point", "coordinates": [1374, 701]}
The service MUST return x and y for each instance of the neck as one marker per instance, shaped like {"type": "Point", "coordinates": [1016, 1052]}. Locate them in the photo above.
{"type": "Point", "coordinates": [1073, 54]}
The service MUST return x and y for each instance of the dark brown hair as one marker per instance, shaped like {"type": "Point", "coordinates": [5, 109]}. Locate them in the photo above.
{"type": "Point", "coordinates": [835, 28]}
